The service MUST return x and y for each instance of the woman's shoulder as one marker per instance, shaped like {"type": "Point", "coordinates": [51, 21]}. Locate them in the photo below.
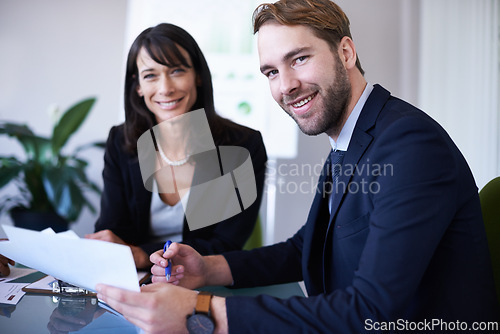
{"type": "Point", "coordinates": [117, 131]}
{"type": "Point", "coordinates": [116, 139]}
{"type": "Point", "coordinates": [237, 134]}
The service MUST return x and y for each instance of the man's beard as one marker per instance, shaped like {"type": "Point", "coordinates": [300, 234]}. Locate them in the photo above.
{"type": "Point", "coordinates": [336, 99]}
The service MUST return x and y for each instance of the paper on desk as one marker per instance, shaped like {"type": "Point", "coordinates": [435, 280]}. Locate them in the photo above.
{"type": "Point", "coordinates": [15, 273]}
{"type": "Point", "coordinates": [81, 262]}
{"type": "Point", "coordinates": [11, 293]}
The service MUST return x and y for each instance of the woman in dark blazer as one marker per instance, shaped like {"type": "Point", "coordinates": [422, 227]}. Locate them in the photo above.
{"type": "Point", "coordinates": [167, 76]}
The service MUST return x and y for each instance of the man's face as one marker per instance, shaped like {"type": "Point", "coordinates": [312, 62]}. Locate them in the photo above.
{"type": "Point", "coordinates": [306, 77]}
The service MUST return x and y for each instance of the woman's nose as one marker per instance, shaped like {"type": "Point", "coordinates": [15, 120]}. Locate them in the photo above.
{"type": "Point", "coordinates": [166, 86]}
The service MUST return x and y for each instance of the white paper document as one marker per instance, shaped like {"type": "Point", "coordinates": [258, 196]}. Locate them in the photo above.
{"type": "Point", "coordinates": [46, 283]}
{"type": "Point", "coordinates": [15, 273]}
{"type": "Point", "coordinates": [10, 293]}
{"type": "Point", "coordinates": [81, 262]}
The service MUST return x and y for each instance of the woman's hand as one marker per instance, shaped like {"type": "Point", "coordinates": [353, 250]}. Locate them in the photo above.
{"type": "Point", "coordinates": [4, 265]}
{"type": "Point", "coordinates": [106, 235]}
{"type": "Point", "coordinates": [141, 258]}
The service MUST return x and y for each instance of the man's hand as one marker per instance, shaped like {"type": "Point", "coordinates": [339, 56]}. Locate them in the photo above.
{"type": "Point", "coordinates": [187, 264]}
{"type": "Point", "coordinates": [141, 258]}
{"type": "Point", "coordinates": [189, 268]}
{"type": "Point", "coordinates": [158, 308]}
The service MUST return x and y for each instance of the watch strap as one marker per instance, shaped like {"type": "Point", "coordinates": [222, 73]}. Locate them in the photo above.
{"type": "Point", "coordinates": [203, 302]}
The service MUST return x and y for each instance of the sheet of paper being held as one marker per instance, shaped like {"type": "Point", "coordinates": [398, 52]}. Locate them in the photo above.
{"type": "Point", "coordinates": [81, 262]}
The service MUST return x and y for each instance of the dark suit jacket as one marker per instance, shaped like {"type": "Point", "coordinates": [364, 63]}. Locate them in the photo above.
{"type": "Point", "coordinates": [404, 241]}
{"type": "Point", "coordinates": [126, 204]}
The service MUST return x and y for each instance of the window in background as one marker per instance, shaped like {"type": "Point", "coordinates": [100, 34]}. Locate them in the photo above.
{"type": "Point", "coordinates": [459, 78]}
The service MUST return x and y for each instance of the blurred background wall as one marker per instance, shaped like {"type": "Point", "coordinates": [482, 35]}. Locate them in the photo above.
{"type": "Point", "coordinates": [440, 55]}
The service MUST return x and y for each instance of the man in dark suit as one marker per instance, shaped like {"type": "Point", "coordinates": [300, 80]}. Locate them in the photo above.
{"type": "Point", "coordinates": [394, 240]}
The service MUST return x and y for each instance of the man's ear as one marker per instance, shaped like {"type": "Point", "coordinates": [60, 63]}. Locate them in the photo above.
{"type": "Point", "coordinates": [347, 52]}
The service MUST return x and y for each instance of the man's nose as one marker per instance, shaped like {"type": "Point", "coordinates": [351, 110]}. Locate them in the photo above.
{"type": "Point", "coordinates": [288, 82]}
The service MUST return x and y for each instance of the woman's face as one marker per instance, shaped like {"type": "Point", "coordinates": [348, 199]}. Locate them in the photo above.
{"type": "Point", "coordinates": [167, 91]}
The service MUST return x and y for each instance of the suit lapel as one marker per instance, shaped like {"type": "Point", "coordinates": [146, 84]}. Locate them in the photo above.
{"type": "Point", "coordinates": [318, 225]}
{"type": "Point", "coordinates": [360, 141]}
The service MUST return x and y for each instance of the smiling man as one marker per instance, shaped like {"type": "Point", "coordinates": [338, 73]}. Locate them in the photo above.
{"type": "Point", "coordinates": [305, 75]}
{"type": "Point", "coordinates": [411, 254]}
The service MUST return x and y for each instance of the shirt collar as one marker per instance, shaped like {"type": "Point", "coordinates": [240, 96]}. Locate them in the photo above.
{"type": "Point", "coordinates": [345, 135]}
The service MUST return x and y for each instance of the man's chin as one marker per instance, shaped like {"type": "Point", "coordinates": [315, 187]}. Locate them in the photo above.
{"type": "Point", "coordinates": [304, 124]}
{"type": "Point", "coordinates": [309, 130]}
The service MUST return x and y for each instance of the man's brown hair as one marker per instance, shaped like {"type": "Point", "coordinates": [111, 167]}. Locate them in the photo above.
{"type": "Point", "coordinates": [324, 17]}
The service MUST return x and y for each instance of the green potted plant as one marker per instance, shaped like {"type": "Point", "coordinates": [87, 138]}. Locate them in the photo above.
{"type": "Point", "coordinates": [51, 185]}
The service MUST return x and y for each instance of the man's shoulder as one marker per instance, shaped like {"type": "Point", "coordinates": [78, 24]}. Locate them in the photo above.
{"type": "Point", "coordinates": [390, 109]}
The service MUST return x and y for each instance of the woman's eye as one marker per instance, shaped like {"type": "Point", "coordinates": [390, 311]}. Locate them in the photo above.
{"type": "Point", "coordinates": [148, 76]}
{"type": "Point", "coordinates": [178, 70]}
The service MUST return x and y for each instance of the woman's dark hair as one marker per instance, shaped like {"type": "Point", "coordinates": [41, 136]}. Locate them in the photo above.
{"type": "Point", "coordinates": [162, 43]}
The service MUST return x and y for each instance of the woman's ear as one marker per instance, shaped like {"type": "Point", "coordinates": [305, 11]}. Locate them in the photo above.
{"type": "Point", "coordinates": [139, 91]}
{"type": "Point", "coordinates": [198, 80]}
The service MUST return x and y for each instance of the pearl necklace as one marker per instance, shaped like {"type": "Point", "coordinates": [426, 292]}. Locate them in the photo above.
{"type": "Point", "coordinates": [170, 162]}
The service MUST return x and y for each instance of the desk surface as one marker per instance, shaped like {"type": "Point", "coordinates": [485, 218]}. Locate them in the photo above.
{"type": "Point", "coordinates": [51, 314]}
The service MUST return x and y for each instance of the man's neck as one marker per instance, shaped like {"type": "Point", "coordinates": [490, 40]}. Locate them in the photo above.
{"type": "Point", "coordinates": [357, 87]}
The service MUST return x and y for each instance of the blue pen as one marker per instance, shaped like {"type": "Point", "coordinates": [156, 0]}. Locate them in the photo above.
{"type": "Point", "coordinates": [168, 268]}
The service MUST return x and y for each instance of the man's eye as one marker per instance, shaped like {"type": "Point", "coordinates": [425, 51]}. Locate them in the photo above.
{"type": "Point", "coordinates": [271, 73]}
{"type": "Point", "coordinates": [300, 59]}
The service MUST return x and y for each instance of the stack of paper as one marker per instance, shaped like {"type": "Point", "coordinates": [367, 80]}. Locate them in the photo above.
{"type": "Point", "coordinates": [81, 262]}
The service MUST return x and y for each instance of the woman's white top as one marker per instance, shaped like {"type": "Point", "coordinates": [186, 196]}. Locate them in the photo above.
{"type": "Point", "coordinates": [166, 221]}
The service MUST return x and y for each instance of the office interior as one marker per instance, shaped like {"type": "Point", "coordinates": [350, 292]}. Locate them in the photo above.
{"type": "Point", "coordinates": [441, 55]}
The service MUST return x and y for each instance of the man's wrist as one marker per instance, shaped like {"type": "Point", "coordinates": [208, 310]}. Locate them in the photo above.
{"type": "Point", "coordinates": [218, 272]}
{"type": "Point", "coordinates": [218, 307]}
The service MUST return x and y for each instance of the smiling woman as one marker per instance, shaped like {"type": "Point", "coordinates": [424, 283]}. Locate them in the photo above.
{"type": "Point", "coordinates": [167, 76]}
{"type": "Point", "coordinates": [168, 90]}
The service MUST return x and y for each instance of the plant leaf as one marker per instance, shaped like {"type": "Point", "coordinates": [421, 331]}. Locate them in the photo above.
{"type": "Point", "coordinates": [15, 129]}
{"type": "Point", "coordinates": [70, 121]}
{"type": "Point", "coordinates": [38, 200]}
{"type": "Point", "coordinates": [9, 170]}
{"type": "Point", "coordinates": [64, 191]}
{"type": "Point", "coordinates": [36, 147]}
